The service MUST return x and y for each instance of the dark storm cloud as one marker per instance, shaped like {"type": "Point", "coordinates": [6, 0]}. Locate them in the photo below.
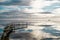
{"type": "Point", "coordinates": [16, 2]}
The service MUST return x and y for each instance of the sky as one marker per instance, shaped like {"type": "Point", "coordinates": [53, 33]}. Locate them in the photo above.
{"type": "Point", "coordinates": [30, 5]}
{"type": "Point", "coordinates": [9, 8]}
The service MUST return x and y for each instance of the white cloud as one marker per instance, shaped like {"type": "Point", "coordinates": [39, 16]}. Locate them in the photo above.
{"type": "Point", "coordinates": [41, 3]}
{"type": "Point", "coordinates": [4, 0]}
{"type": "Point", "coordinates": [37, 5]}
{"type": "Point", "coordinates": [56, 11]}
{"type": "Point", "coordinates": [10, 8]}
{"type": "Point", "coordinates": [33, 10]}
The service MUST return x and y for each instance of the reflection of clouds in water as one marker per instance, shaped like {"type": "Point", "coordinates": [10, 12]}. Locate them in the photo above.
{"type": "Point", "coordinates": [45, 32]}
{"type": "Point", "coordinates": [1, 29]}
{"type": "Point", "coordinates": [38, 33]}
{"type": "Point", "coordinates": [1, 26]}
{"type": "Point", "coordinates": [52, 31]}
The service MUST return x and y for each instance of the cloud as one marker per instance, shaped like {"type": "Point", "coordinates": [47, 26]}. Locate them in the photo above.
{"type": "Point", "coordinates": [5, 0]}
{"type": "Point", "coordinates": [33, 5]}
{"type": "Point", "coordinates": [56, 11]}
{"type": "Point", "coordinates": [51, 7]}
{"type": "Point", "coordinates": [12, 14]}
{"type": "Point", "coordinates": [14, 2]}
{"type": "Point", "coordinates": [17, 13]}
{"type": "Point", "coordinates": [17, 8]}
{"type": "Point", "coordinates": [39, 5]}
{"type": "Point", "coordinates": [52, 0]}
{"type": "Point", "coordinates": [8, 8]}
